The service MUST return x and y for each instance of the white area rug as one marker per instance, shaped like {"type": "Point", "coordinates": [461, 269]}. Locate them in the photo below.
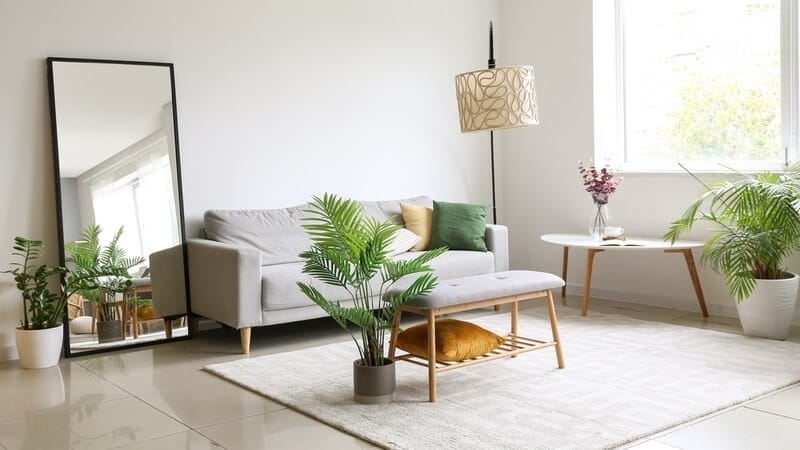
{"type": "Point", "coordinates": [624, 379]}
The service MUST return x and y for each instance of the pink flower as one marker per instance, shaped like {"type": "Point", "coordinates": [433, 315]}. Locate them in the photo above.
{"type": "Point", "coordinates": [598, 182]}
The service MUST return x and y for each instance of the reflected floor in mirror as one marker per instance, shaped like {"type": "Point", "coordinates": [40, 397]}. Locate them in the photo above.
{"type": "Point", "coordinates": [84, 342]}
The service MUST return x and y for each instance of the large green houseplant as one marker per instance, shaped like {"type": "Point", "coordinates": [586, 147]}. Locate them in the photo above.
{"type": "Point", "coordinates": [350, 251]}
{"type": "Point", "coordinates": [756, 226]}
{"type": "Point", "coordinates": [108, 266]}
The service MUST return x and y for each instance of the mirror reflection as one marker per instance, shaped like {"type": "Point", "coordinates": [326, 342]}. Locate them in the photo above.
{"type": "Point", "coordinates": [120, 205]}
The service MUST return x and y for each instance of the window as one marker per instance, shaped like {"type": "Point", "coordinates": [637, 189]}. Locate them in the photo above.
{"type": "Point", "coordinates": [701, 82]}
{"type": "Point", "coordinates": [136, 193]}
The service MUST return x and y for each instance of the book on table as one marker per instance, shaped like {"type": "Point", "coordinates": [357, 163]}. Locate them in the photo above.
{"type": "Point", "coordinates": [620, 243]}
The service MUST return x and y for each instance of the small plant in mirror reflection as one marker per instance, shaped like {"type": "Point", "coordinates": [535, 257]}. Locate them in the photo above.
{"type": "Point", "coordinates": [108, 267]}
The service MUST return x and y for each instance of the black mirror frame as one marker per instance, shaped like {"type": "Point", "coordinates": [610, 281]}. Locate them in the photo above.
{"type": "Point", "coordinates": [59, 216]}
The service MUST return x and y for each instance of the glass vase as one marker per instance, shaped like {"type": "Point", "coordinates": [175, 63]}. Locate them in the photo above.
{"type": "Point", "coordinates": [598, 220]}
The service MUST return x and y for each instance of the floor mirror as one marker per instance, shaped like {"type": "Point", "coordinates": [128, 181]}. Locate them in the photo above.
{"type": "Point", "coordinates": [119, 202]}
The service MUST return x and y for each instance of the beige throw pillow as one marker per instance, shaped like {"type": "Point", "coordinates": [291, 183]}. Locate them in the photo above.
{"type": "Point", "coordinates": [418, 220]}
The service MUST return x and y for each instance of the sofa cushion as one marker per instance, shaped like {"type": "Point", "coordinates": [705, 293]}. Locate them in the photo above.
{"type": "Point", "coordinates": [457, 263]}
{"type": "Point", "coordinates": [279, 282]}
{"type": "Point", "coordinates": [278, 233]}
{"type": "Point", "coordinates": [279, 288]}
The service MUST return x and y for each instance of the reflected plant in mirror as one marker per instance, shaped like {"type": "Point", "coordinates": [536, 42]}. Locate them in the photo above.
{"type": "Point", "coordinates": [119, 197]}
{"type": "Point", "coordinates": [89, 256]}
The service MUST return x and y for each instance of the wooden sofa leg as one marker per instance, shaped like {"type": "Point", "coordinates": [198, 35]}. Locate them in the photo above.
{"type": "Point", "coordinates": [168, 327]}
{"type": "Point", "coordinates": [244, 335]}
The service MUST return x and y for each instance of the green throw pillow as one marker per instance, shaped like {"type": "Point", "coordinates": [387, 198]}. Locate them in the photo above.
{"type": "Point", "coordinates": [459, 226]}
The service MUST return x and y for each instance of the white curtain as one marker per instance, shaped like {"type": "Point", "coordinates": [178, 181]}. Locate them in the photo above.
{"type": "Point", "coordinates": [139, 196]}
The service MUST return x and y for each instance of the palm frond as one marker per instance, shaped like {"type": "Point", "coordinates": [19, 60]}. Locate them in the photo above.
{"type": "Point", "coordinates": [329, 267]}
{"type": "Point", "coordinates": [349, 250]}
{"type": "Point", "coordinates": [757, 226]}
{"type": "Point", "coordinates": [393, 270]}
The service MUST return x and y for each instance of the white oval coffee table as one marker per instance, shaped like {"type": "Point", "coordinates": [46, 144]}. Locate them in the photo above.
{"type": "Point", "coordinates": [629, 245]}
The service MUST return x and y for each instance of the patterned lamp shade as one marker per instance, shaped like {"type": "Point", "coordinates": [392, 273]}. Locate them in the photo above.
{"type": "Point", "coordinates": [503, 97]}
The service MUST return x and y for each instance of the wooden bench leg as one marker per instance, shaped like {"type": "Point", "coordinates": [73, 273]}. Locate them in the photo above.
{"type": "Point", "coordinates": [431, 355]}
{"type": "Point", "coordinates": [551, 309]}
{"type": "Point", "coordinates": [395, 330]}
{"type": "Point", "coordinates": [564, 266]}
{"type": "Point", "coordinates": [514, 324]}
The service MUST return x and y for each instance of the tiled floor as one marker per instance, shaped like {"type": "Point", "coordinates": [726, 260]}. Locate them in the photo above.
{"type": "Point", "coordinates": [159, 398]}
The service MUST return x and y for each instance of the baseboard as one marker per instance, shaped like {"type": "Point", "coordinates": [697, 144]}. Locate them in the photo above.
{"type": "Point", "coordinates": [8, 353]}
{"type": "Point", "coordinates": [661, 301]}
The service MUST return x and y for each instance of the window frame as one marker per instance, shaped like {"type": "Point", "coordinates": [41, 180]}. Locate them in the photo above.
{"type": "Point", "coordinates": [613, 147]}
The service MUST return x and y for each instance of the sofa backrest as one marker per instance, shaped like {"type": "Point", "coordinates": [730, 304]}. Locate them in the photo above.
{"type": "Point", "coordinates": [390, 209]}
{"type": "Point", "coordinates": [279, 233]}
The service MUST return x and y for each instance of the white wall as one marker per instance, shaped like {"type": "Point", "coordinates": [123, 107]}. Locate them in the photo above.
{"type": "Point", "coordinates": [277, 100]}
{"type": "Point", "coordinates": [542, 192]}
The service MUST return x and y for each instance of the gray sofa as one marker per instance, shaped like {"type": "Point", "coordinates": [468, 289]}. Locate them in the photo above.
{"type": "Point", "coordinates": [244, 273]}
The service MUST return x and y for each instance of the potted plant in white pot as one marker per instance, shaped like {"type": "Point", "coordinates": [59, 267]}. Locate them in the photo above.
{"type": "Point", "coordinates": [40, 335]}
{"type": "Point", "coordinates": [351, 252]}
{"type": "Point", "coordinates": [756, 226]}
{"type": "Point", "coordinates": [108, 267]}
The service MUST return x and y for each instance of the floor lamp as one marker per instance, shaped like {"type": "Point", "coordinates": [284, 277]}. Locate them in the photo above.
{"type": "Point", "coordinates": [496, 98]}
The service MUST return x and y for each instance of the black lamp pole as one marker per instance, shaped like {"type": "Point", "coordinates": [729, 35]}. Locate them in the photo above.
{"type": "Point", "coordinates": [491, 133]}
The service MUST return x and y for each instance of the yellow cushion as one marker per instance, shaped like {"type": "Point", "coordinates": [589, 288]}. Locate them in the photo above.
{"type": "Point", "coordinates": [418, 220]}
{"type": "Point", "coordinates": [455, 340]}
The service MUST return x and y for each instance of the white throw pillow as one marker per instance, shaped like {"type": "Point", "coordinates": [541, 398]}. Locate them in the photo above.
{"type": "Point", "coordinates": [402, 241]}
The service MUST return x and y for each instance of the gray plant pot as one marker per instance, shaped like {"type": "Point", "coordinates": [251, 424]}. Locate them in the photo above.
{"type": "Point", "coordinates": [109, 331]}
{"type": "Point", "coordinates": [373, 384]}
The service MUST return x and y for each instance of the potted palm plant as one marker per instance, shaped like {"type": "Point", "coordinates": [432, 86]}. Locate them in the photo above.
{"type": "Point", "coordinates": [350, 251]}
{"type": "Point", "coordinates": [109, 266]}
{"type": "Point", "coordinates": [756, 226]}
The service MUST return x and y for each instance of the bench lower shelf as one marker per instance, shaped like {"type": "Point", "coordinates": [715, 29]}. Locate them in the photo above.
{"type": "Point", "coordinates": [512, 346]}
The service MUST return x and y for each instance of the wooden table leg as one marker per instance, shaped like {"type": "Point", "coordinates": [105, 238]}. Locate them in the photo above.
{"type": "Point", "coordinates": [551, 310]}
{"type": "Point", "coordinates": [431, 355]}
{"type": "Point", "coordinates": [168, 327]}
{"type": "Point", "coordinates": [587, 285]}
{"type": "Point", "coordinates": [698, 290]}
{"type": "Point", "coordinates": [564, 264]}
{"type": "Point", "coordinates": [135, 321]}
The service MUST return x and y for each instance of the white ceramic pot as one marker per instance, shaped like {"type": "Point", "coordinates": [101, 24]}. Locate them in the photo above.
{"type": "Point", "coordinates": [769, 310]}
{"type": "Point", "coordinates": [39, 348]}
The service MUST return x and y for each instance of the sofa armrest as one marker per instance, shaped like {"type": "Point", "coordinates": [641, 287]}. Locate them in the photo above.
{"type": "Point", "coordinates": [225, 282]}
{"type": "Point", "coordinates": [497, 243]}
{"type": "Point", "coordinates": [168, 282]}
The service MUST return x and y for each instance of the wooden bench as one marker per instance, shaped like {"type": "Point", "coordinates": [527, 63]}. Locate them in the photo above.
{"type": "Point", "coordinates": [481, 291]}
